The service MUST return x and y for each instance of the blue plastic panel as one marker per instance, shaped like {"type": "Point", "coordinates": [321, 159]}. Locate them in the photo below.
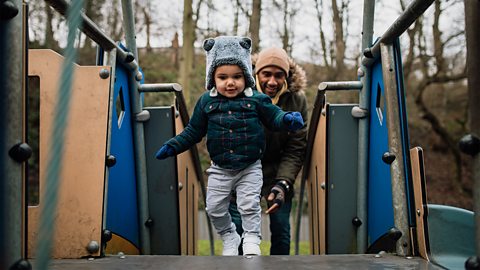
{"type": "Point", "coordinates": [380, 208]}
{"type": "Point", "coordinates": [122, 213]}
{"type": "Point", "coordinates": [380, 211]}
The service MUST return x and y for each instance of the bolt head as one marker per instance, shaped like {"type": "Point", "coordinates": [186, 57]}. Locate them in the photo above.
{"type": "Point", "coordinates": [104, 73]}
{"type": "Point", "coordinates": [93, 247]}
{"type": "Point", "coordinates": [139, 76]}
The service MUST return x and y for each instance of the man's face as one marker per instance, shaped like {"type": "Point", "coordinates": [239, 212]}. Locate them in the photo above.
{"type": "Point", "coordinates": [271, 79]}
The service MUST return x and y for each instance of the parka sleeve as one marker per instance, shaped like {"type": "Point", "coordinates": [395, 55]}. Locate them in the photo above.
{"type": "Point", "coordinates": [271, 115]}
{"type": "Point", "coordinates": [294, 151]}
{"type": "Point", "coordinates": [193, 132]}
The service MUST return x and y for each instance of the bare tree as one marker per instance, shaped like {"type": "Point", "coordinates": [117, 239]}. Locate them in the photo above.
{"type": "Point", "coordinates": [146, 10]}
{"type": "Point", "coordinates": [333, 51]}
{"type": "Point", "coordinates": [323, 43]}
{"type": "Point", "coordinates": [338, 16]}
{"type": "Point", "coordinates": [254, 27]}
{"type": "Point", "coordinates": [289, 11]}
{"type": "Point", "coordinates": [187, 55]}
{"type": "Point", "coordinates": [93, 10]}
{"type": "Point", "coordinates": [253, 16]}
{"type": "Point", "coordinates": [50, 42]}
{"type": "Point", "coordinates": [114, 21]}
{"type": "Point", "coordinates": [435, 71]}
{"type": "Point", "coordinates": [187, 52]}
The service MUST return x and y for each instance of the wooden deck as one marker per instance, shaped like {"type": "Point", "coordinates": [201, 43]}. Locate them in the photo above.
{"type": "Point", "coordinates": [166, 262]}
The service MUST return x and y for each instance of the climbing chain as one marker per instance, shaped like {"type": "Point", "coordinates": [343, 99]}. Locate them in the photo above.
{"type": "Point", "coordinates": [55, 153]}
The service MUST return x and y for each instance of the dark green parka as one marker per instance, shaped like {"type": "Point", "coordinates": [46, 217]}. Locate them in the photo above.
{"type": "Point", "coordinates": [285, 151]}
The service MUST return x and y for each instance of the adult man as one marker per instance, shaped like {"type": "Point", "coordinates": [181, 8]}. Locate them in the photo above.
{"type": "Point", "coordinates": [284, 81]}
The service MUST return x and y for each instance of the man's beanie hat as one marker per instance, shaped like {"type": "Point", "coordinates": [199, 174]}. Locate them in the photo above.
{"type": "Point", "coordinates": [228, 50]}
{"type": "Point", "coordinates": [272, 57]}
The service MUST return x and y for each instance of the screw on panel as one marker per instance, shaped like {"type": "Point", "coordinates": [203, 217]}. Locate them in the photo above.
{"type": "Point", "coordinates": [149, 223]}
{"type": "Point", "coordinates": [360, 72]}
{"type": "Point", "coordinates": [8, 10]}
{"type": "Point", "coordinates": [469, 144]}
{"type": "Point", "coordinates": [358, 112]}
{"type": "Point", "coordinates": [368, 53]}
{"type": "Point", "coordinates": [357, 222]}
{"type": "Point", "coordinates": [388, 158]}
{"type": "Point", "coordinates": [21, 264]}
{"type": "Point", "coordinates": [93, 247]}
{"type": "Point", "coordinates": [473, 263]}
{"type": "Point", "coordinates": [129, 58]}
{"type": "Point", "coordinates": [104, 73]}
{"type": "Point", "coordinates": [110, 161]}
{"type": "Point", "coordinates": [142, 116]}
{"type": "Point", "coordinates": [20, 152]}
{"type": "Point", "coordinates": [139, 76]}
{"type": "Point", "coordinates": [106, 236]}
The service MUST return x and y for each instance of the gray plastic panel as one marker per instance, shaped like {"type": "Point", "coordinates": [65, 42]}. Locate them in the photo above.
{"type": "Point", "coordinates": [342, 152]}
{"type": "Point", "coordinates": [451, 235]}
{"type": "Point", "coordinates": [162, 184]}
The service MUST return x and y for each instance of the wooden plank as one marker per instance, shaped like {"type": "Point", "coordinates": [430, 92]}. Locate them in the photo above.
{"type": "Point", "coordinates": [188, 198]}
{"type": "Point", "coordinates": [80, 203]}
{"type": "Point", "coordinates": [317, 178]}
{"type": "Point", "coordinates": [420, 195]}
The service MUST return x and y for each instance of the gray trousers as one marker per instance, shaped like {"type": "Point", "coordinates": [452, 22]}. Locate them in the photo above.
{"type": "Point", "coordinates": [247, 183]}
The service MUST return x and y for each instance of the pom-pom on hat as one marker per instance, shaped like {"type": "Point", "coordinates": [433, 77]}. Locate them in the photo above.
{"type": "Point", "coordinates": [228, 50]}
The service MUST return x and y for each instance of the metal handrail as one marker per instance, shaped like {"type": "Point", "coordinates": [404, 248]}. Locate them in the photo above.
{"type": "Point", "coordinates": [400, 25]}
{"type": "Point", "coordinates": [96, 34]}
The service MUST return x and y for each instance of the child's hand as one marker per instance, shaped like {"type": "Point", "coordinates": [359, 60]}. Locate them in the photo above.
{"type": "Point", "coordinates": [294, 120]}
{"type": "Point", "coordinates": [165, 151]}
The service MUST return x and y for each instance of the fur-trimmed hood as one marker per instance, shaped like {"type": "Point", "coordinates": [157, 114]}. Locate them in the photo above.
{"type": "Point", "coordinates": [297, 79]}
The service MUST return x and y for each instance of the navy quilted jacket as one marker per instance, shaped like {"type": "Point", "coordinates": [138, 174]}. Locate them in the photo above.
{"type": "Point", "coordinates": [235, 134]}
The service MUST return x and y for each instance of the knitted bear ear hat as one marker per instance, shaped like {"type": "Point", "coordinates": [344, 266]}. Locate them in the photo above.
{"type": "Point", "coordinates": [228, 50]}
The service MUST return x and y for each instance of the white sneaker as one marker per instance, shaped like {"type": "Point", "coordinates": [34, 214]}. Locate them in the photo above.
{"type": "Point", "coordinates": [251, 245]}
{"type": "Point", "coordinates": [231, 241]}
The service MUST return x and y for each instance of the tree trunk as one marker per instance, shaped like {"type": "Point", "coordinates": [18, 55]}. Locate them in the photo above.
{"type": "Point", "coordinates": [187, 52]}
{"type": "Point", "coordinates": [49, 40]}
{"type": "Point", "coordinates": [235, 18]}
{"type": "Point", "coordinates": [148, 24]}
{"type": "Point", "coordinates": [339, 40]}
{"type": "Point", "coordinates": [175, 49]}
{"type": "Point", "coordinates": [323, 44]}
{"type": "Point", "coordinates": [254, 28]}
{"type": "Point", "coordinates": [286, 33]}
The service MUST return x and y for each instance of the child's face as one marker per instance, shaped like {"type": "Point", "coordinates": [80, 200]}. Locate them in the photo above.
{"type": "Point", "coordinates": [229, 80]}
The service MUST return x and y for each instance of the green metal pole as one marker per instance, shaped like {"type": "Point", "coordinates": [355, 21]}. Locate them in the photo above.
{"type": "Point", "coordinates": [139, 139]}
{"type": "Point", "coordinates": [397, 170]}
{"type": "Point", "coordinates": [363, 130]}
{"type": "Point", "coordinates": [11, 134]}
{"type": "Point", "coordinates": [472, 22]}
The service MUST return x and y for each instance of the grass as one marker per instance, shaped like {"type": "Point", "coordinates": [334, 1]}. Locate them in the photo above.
{"type": "Point", "coordinates": [204, 248]}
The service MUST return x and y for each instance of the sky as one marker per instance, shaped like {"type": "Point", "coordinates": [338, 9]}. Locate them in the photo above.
{"type": "Point", "coordinates": [167, 16]}
{"type": "Point", "coordinates": [305, 24]}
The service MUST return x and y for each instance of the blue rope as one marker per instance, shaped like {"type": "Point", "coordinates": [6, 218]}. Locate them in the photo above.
{"type": "Point", "coordinates": [54, 164]}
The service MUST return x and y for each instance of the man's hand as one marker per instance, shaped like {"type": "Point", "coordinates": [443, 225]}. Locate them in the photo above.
{"type": "Point", "coordinates": [164, 152]}
{"type": "Point", "coordinates": [276, 198]}
{"type": "Point", "coordinates": [294, 120]}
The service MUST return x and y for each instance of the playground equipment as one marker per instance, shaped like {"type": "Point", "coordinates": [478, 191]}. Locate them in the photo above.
{"type": "Point", "coordinates": [114, 197]}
